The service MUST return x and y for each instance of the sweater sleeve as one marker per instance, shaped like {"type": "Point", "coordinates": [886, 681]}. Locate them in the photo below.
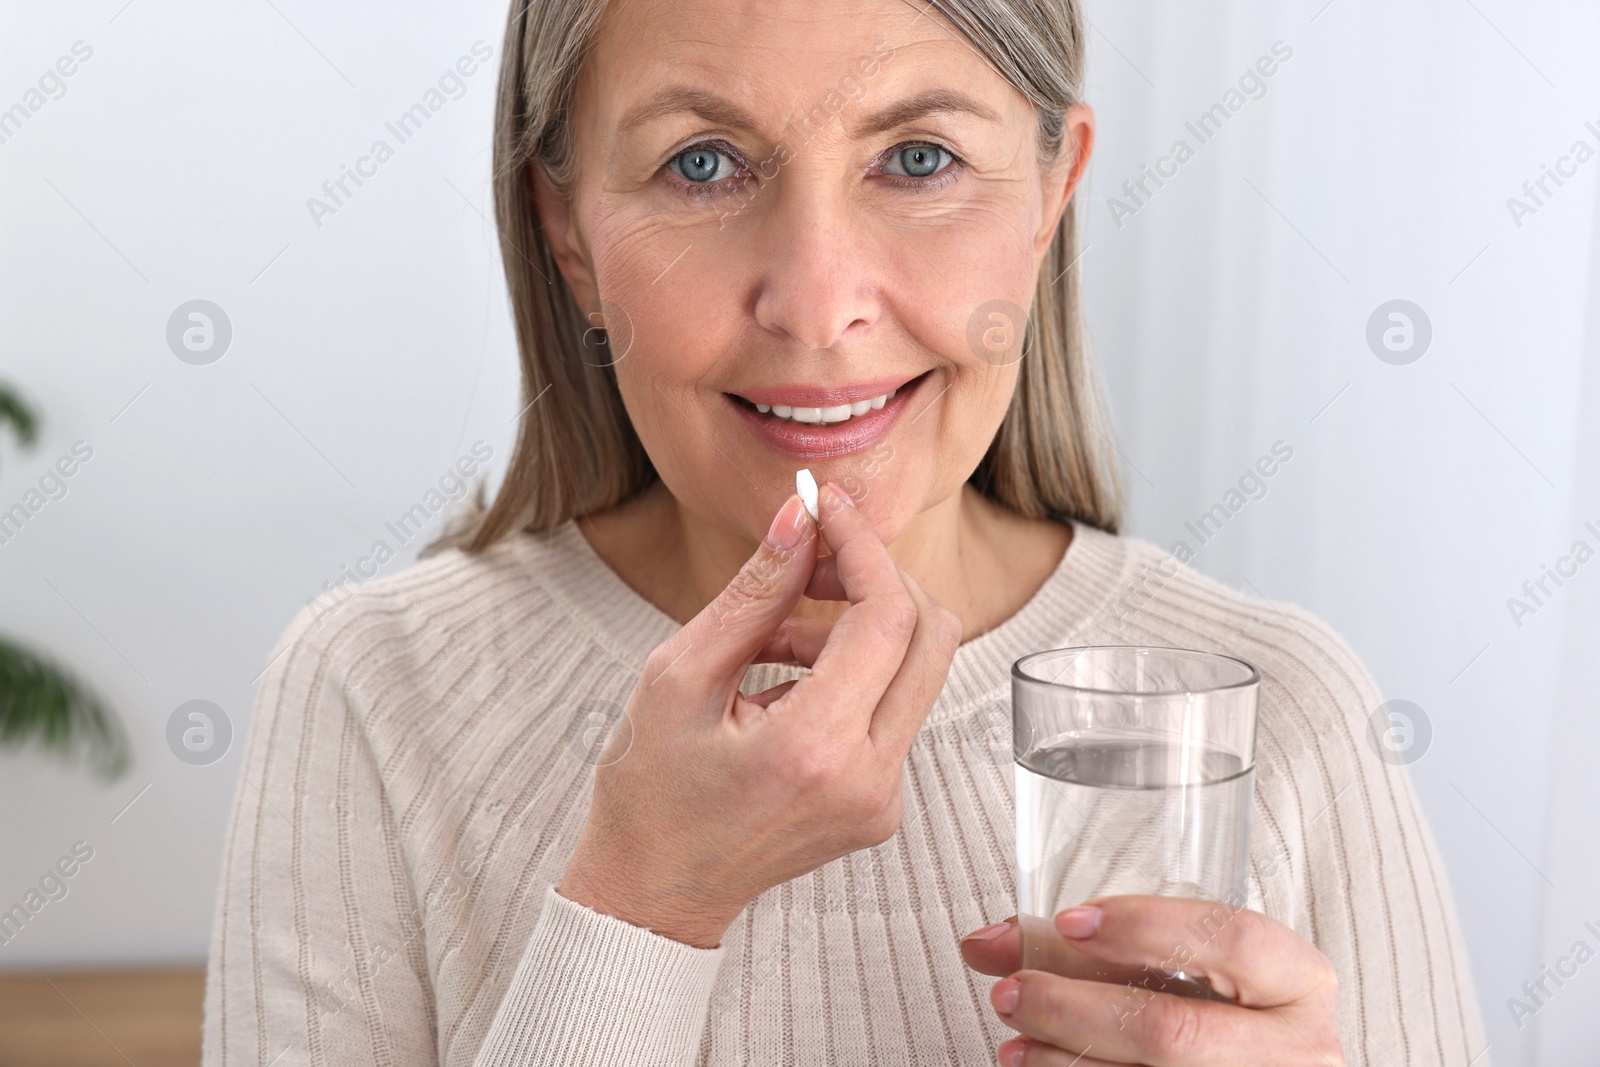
{"type": "Point", "coordinates": [1371, 893]}
{"type": "Point", "coordinates": [319, 942]}
{"type": "Point", "coordinates": [594, 989]}
{"type": "Point", "coordinates": [317, 945]}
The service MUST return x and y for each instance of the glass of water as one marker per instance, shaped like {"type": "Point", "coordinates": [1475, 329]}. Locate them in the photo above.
{"type": "Point", "coordinates": [1135, 774]}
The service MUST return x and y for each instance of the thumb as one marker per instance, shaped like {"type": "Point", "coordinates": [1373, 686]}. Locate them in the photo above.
{"type": "Point", "coordinates": [732, 630]}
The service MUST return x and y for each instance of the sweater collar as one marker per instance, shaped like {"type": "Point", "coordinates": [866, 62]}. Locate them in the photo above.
{"type": "Point", "coordinates": [1064, 606]}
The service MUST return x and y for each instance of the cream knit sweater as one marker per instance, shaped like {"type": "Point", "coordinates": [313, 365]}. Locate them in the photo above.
{"type": "Point", "coordinates": [420, 764]}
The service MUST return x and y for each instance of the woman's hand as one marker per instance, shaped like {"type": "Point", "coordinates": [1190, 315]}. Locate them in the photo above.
{"type": "Point", "coordinates": [705, 798]}
{"type": "Point", "coordinates": [1285, 991]}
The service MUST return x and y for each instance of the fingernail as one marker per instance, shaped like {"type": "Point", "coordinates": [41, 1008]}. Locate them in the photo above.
{"type": "Point", "coordinates": [1005, 994]}
{"type": "Point", "coordinates": [1079, 922]}
{"type": "Point", "coordinates": [988, 933]}
{"type": "Point", "coordinates": [840, 496]}
{"type": "Point", "coordinates": [1012, 1051]}
{"type": "Point", "coordinates": [788, 525]}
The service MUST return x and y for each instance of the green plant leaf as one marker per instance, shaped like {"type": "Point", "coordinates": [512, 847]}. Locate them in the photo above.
{"type": "Point", "coordinates": [15, 411]}
{"type": "Point", "coordinates": [39, 701]}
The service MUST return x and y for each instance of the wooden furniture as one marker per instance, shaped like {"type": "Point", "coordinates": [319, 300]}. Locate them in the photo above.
{"type": "Point", "coordinates": [146, 1018]}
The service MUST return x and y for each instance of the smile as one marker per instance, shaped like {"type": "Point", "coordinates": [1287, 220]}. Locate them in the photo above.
{"type": "Point", "coordinates": [828, 415]}
{"type": "Point", "coordinates": [818, 422]}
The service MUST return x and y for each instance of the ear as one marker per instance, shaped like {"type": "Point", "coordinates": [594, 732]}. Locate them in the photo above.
{"type": "Point", "coordinates": [565, 240]}
{"type": "Point", "coordinates": [1062, 177]}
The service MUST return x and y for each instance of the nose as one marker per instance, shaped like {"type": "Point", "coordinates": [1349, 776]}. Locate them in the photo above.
{"type": "Point", "coordinates": [818, 283]}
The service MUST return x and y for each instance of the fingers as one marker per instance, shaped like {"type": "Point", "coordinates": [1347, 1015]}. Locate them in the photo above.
{"type": "Point", "coordinates": [731, 630]}
{"type": "Point", "coordinates": [1132, 1013]}
{"type": "Point", "coordinates": [994, 950]}
{"type": "Point", "coordinates": [795, 641]}
{"type": "Point", "coordinates": [910, 696]}
{"type": "Point", "coordinates": [998, 950]}
{"type": "Point", "coordinates": [825, 584]}
{"type": "Point", "coordinates": [767, 696]}
{"type": "Point", "coordinates": [1131, 1024]}
{"type": "Point", "coordinates": [1244, 955]}
{"type": "Point", "coordinates": [868, 642]}
{"type": "Point", "coordinates": [1025, 1052]}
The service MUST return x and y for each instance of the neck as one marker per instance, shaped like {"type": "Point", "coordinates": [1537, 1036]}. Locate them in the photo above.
{"type": "Point", "coordinates": [978, 559]}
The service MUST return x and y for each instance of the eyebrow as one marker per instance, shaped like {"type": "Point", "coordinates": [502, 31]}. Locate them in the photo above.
{"type": "Point", "coordinates": [928, 102]}
{"type": "Point", "coordinates": [722, 112]}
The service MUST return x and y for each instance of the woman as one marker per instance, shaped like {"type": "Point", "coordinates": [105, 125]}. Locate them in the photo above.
{"type": "Point", "coordinates": [530, 802]}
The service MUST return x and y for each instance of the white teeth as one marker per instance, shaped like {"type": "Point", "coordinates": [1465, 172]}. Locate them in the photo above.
{"type": "Point", "coordinates": [828, 415]}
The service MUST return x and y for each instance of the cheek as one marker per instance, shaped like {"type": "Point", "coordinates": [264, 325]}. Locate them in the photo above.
{"type": "Point", "coordinates": [968, 305]}
{"type": "Point", "coordinates": [981, 248]}
{"type": "Point", "coordinates": [964, 283]}
{"type": "Point", "coordinates": [675, 294]}
{"type": "Point", "coordinates": [672, 292]}
{"type": "Point", "coordinates": [970, 312]}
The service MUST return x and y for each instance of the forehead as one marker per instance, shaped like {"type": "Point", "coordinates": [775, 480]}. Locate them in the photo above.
{"type": "Point", "coordinates": [776, 58]}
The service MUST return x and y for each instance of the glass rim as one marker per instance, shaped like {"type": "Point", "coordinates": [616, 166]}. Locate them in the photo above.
{"type": "Point", "coordinates": [1253, 679]}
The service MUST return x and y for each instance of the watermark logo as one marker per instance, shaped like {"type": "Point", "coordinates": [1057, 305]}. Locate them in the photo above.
{"type": "Point", "coordinates": [1537, 192]}
{"type": "Point", "coordinates": [451, 85]}
{"type": "Point", "coordinates": [453, 485]}
{"type": "Point", "coordinates": [996, 332]}
{"type": "Point", "coordinates": [51, 85]}
{"type": "Point", "coordinates": [52, 486]}
{"type": "Point", "coordinates": [609, 337]}
{"type": "Point", "coordinates": [388, 940]}
{"type": "Point", "coordinates": [798, 133]}
{"type": "Point", "coordinates": [1536, 592]}
{"type": "Point", "coordinates": [600, 732]}
{"type": "Point", "coordinates": [199, 732]}
{"type": "Point", "coordinates": [857, 483]}
{"type": "Point", "coordinates": [1139, 190]}
{"type": "Point", "coordinates": [51, 887]}
{"type": "Point", "coordinates": [1399, 332]}
{"type": "Point", "coordinates": [986, 730]}
{"type": "Point", "coordinates": [1536, 991]}
{"type": "Point", "coordinates": [1399, 732]}
{"type": "Point", "coordinates": [199, 332]}
{"type": "Point", "coordinates": [1251, 486]}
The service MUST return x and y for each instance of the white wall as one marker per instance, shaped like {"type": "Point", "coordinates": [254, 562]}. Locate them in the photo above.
{"type": "Point", "coordinates": [371, 351]}
{"type": "Point", "coordinates": [1231, 310]}
{"type": "Point", "coordinates": [367, 355]}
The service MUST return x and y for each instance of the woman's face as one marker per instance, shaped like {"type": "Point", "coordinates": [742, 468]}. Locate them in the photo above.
{"type": "Point", "coordinates": [789, 210]}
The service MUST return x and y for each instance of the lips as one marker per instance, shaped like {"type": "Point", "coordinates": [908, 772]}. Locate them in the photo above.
{"type": "Point", "coordinates": [820, 422]}
{"type": "Point", "coordinates": [825, 395]}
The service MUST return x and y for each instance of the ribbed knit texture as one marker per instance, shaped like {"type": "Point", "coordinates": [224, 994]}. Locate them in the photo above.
{"type": "Point", "coordinates": [420, 765]}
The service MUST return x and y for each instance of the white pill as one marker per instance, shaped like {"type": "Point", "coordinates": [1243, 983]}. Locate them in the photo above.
{"type": "Point", "coordinates": [806, 486]}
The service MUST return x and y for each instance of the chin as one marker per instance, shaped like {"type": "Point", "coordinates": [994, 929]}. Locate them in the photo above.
{"type": "Point", "coordinates": [890, 500]}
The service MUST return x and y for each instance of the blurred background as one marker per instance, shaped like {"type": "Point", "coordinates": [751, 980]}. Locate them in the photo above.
{"type": "Point", "coordinates": [1378, 246]}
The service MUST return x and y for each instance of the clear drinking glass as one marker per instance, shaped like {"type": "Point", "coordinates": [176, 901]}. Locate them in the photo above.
{"type": "Point", "coordinates": [1135, 774]}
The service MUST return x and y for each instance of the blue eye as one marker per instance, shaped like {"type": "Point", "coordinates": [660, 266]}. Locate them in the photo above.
{"type": "Point", "coordinates": [917, 160]}
{"type": "Point", "coordinates": [702, 164]}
